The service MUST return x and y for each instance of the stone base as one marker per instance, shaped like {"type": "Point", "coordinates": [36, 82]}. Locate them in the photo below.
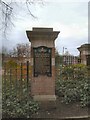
{"type": "Point", "coordinates": [44, 97]}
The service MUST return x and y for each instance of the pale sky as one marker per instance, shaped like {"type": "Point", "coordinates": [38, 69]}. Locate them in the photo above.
{"type": "Point", "coordinates": [70, 18]}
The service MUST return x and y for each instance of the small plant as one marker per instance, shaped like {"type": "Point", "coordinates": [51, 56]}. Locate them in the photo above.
{"type": "Point", "coordinates": [17, 102]}
{"type": "Point", "coordinates": [75, 86]}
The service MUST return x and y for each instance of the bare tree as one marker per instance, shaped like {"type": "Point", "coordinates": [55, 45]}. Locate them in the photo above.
{"type": "Point", "coordinates": [21, 50]}
{"type": "Point", "coordinates": [4, 54]}
{"type": "Point", "coordinates": [7, 11]}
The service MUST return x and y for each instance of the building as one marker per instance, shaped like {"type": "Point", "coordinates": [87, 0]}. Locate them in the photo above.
{"type": "Point", "coordinates": [16, 59]}
{"type": "Point", "coordinates": [69, 59]}
{"type": "Point", "coordinates": [84, 52]}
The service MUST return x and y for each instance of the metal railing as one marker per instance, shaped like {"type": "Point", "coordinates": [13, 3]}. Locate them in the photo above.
{"type": "Point", "coordinates": [16, 80]}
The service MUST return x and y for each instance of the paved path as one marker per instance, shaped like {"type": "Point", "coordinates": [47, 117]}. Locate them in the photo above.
{"type": "Point", "coordinates": [60, 110]}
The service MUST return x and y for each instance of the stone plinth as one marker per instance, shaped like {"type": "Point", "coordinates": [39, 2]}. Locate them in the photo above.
{"type": "Point", "coordinates": [43, 63]}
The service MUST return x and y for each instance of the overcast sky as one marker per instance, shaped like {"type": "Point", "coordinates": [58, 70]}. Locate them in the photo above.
{"type": "Point", "coordinates": [70, 18]}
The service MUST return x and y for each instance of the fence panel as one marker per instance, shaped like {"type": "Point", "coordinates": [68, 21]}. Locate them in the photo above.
{"type": "Point", "coordinates": [16, 81]}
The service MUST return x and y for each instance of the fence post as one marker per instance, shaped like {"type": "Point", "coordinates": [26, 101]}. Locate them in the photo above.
{"type": "Point", "coordinates": [21, 82]}
{"type": "Point", "coordinates": [10, 72]}
{"type": "Point", "coordinates": [21, 73]}
{"type": "Point", "coordinates": [4, 81]}
{"type": "Point", "coordinates": [27, 75]}
{"type": "Point", "coordinates": [16, 79]}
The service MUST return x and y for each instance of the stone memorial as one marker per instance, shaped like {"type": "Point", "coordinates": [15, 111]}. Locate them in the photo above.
{"type": "Point", "coordinates": [43, 63]}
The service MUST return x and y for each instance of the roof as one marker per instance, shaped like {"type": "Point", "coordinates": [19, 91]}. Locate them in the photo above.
{"type": "Point", "coordinates": [84, 46]}
{"type": "Point", "coordinates": [38, 32]}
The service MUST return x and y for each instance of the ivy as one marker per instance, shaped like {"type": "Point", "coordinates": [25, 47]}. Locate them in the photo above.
{"type": "Point", "coordinates": [74, 85]}
{"type": "Point", "coordinates": [16, 103]}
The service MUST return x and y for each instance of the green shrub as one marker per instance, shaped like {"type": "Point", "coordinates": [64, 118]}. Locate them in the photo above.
{"type": "Point", "coordinates": [70, 90]}
{"type": "Point", "coordinates": [74, 85]}
{"type": "Point", "coordinates": [17, 102]}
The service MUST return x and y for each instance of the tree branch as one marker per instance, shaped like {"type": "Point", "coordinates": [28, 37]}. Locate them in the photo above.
{"type": "Point", "coordinates": [27, 4]}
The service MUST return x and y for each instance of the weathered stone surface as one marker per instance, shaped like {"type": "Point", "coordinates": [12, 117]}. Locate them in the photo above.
{"type": "Point", "coordinates": [45, 97]}
{"type": "Point", "coordinates": [43, 85]}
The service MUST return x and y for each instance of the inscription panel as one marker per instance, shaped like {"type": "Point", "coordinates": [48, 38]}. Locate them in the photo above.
{"type": "Point", "coordinates": [42, 61]}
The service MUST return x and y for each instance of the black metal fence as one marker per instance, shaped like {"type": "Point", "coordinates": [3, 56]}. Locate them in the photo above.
{"type": "Point", "coordinates": [16, 79]}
